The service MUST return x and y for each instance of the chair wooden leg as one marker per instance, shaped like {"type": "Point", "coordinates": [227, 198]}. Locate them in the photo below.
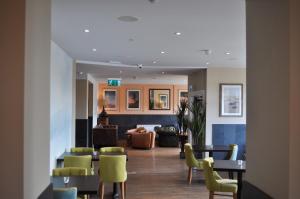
{"type": "Point", "coordinates": [234, 196]}
{"type": "Point", "coordinates": [122, 188]}
{"type": "Point", "coordinates": [101, 190]}
{"type": "Point", "coordinates": [190, 175]}
{"type": "Point", "coordinates": [211, 195]}
{"type": "Point", "coordinates": [125, 187]}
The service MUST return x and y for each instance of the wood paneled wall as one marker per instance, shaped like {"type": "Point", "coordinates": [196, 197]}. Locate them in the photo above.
{"type": "Point", "coordinates": [122, 92]}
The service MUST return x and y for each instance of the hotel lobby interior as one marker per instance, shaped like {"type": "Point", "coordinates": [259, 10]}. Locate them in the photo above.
{"type": "Point", "coordinates": [146, 99]}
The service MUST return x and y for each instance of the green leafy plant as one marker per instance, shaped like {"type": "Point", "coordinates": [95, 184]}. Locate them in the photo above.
{"type": "Point", "coordinates": [197, 122]}
{"type": "Point", "coordinates": [181, 110]}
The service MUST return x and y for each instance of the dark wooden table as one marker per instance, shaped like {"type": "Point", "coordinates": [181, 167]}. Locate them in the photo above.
{"type": "Point", "coordinates": [95, 157]}
{"type": "Point", "coordinates": [211, 149]}
{"type": "Point", "coordinates": [232, 166]}
{"type": "Point", "coordinates": [84, 184]}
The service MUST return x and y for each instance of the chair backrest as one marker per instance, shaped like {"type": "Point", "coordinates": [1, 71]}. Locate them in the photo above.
{"type": "Point", "coordinates": [111, 149]}
{"type": "Point", "coordinates": [210, 180]}
{"type": "Point", "coordinates": [190, 159]}
{"type": "Point", "coordinates": [82, 150]}
{"type": "Point", "coordinates": [83, 161]}
{"type": "Point", "coordinates": [112, 168]}
{"type": "Point", "coordinates": [65, 193]}
{"type": "Point", "coordinates": [69, 171]}
{"type": "Point", "coordinates": [232, 155]}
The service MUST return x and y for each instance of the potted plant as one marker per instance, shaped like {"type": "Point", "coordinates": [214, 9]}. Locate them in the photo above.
{"type": "Point", "coordinates": [197, 122]}
{"type": "Point", "coordinates": [181, 116]}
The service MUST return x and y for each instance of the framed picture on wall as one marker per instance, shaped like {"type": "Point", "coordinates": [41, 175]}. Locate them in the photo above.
{"type": "Point", "coordinates": [110, 99]}
{"type": "Point", "coordinates": [159, 99]}
{"type": "Point", "coordinates": [231, 100]}
{"type": "Point", "coordinates": [133, 100]}
{"type": "Point", "coordinates": [164, 101]}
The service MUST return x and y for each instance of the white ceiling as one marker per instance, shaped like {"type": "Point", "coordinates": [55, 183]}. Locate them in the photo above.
{"type": "Point", "coordinates": [217, 25]}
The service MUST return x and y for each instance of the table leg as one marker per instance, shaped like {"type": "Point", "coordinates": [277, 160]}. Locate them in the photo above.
{"type": "Point", "coordinates": [115, 191]}
{"type": "Point", "coordinates": [240, 184]}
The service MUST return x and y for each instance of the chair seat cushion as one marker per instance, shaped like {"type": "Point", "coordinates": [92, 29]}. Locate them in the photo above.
{"type": "Point", "coordinates": [227, 181]}
{"type": "Point", "coordinates": [224, 186]}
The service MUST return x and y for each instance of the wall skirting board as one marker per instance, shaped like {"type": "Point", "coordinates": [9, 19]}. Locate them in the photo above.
{"type": "Point", "coordinates": [225, 134]}
{"type": "Point", "coordinates": [126, 122]}
{"type": "Point", "coordinates": [47, 193]}
{"type": "Point", "coordinates": [250, 192]}
{"type": "Point", "coordinates": [81, 133]}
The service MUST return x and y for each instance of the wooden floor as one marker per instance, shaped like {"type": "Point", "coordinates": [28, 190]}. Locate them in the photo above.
{"type": "Point", "coordinates": [160, 174]}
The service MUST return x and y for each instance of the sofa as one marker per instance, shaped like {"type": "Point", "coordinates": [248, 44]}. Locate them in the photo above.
{"type": "Point", "coordinates": [167, 136]}
{"type": "Point", "coordinates": [140, 138]}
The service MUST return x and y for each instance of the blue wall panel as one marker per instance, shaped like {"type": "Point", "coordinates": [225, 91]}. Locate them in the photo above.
{"type": "Point", "coordinates": [225, 134]}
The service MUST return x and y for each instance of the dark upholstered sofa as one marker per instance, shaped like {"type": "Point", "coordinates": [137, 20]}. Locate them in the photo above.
{"type": "Point", "coordinates": [167, 136]}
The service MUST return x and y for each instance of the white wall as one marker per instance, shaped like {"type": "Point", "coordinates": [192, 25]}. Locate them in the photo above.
{"type": "Point", "coordinates": [215, 76]}
{"type": "Point", "coordinates": [95, 98]}
{"type": "Point", "coordinates": [61, 118]}
{"type": "Point", "coordinates": [37, 98]}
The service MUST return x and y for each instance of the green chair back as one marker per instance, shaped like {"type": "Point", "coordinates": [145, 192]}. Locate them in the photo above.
{"type": "Point", "coordinates": [232, 155]}
{"type": "Point", "coordinates": [111, 149]}
{"type": "Point", "coordinates": [84, 161]}
{"type": "Point", "coordinates": [69, 171]}
{"type": "Point", "coordinates": [65, 193]}
{"type": "Point", "coordinates": [82, 150]}
{"type": "Point", "coordinates": [113, 168]}
{"type": "Point", "coordinates": [210, 180]}
{"type": "Point", "coordinates": [190, 159]}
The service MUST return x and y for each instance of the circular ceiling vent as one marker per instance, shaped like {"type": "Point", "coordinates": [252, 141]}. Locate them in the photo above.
{"type": "Point", "coordinates": [128, 18]}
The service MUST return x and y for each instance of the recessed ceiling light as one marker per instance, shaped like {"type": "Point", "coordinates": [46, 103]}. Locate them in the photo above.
{"type": "Point", "coordinates": [177, 33]}
{"type": "Point", "coordinates": [94, 49]}
{"type": "Point", "coordinates": [80, 73]}
{"type": "Point", "coordinates": [154, 62]}
{"type": "Point", "coordinates": [227, 53]}
{"type": "Point", "coordinates": [86, 30]}
{"type": "Point", "coordinates": [162, 52]}
{"type": "Point", "coordinates": [207, 63]}
{"type": "Point", "coordinates": [121, 72]}
{"type": "Point", "coordinates": [128, 18]}
{"type": "Point", "coordinates": [163, 72]}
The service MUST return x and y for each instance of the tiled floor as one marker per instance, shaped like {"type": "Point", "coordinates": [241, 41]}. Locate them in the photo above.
{"type": "Point", "coordinates": [160, 174]}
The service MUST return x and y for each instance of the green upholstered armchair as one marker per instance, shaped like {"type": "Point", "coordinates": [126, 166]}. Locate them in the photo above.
{"type": "Point", "coordinates": [112, 170]}
{"type": "Point", "coordinates": [69, 171]}
{"type": "Point", "coordinates": [215, 183]}
{"type": "Point", "coordinates": [84, 161]}
{"type": "Point", "coordinates": [232, 154]}
{"type": "Point", "coordinates": [191, 161]}
{"type": "Point", "coordinates": [111, 149]}
{"type": "Point", "coordinates": [65, 193]}
{"type": "Point", "coordinates": [82, 150]}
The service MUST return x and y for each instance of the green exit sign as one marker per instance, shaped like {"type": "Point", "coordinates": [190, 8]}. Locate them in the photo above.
{"type": "Point", "coordinates": [114, 82]}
